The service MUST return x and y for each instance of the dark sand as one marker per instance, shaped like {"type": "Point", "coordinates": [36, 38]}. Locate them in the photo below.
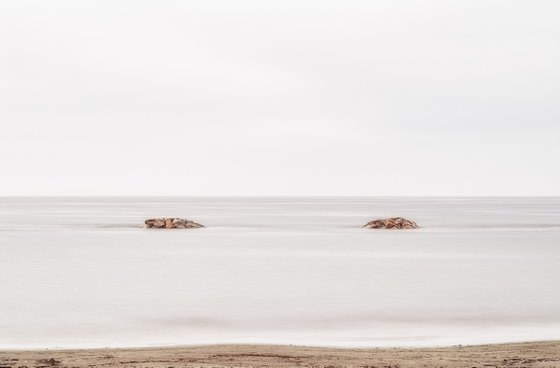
{"type": "Point", "coordinates": [539, 354]}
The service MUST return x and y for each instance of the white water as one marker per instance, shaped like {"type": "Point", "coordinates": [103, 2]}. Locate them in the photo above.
{"type": "Point", "coordinates": [79, 272]}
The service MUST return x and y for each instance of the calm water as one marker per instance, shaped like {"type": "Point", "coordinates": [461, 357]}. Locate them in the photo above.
{"type": "Point", "coordinates": [79, 272]}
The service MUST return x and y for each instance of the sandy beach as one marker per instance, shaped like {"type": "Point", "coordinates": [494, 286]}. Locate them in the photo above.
{"type": "Point", "coordinates": [537, 354]}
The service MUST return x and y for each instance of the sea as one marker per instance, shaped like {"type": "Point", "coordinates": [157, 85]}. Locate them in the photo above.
{"type": "Point", "coordinates": [81, 272]}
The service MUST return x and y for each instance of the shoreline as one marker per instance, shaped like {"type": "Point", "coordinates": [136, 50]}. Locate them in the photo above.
{"type": "Point", "coordinates": [526, 354]}
{"type": "Point", "coordinates": [275, 344]}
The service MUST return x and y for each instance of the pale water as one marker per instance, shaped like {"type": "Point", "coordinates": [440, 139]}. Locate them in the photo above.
{"type": "Point", "coordinates": [80, 272]}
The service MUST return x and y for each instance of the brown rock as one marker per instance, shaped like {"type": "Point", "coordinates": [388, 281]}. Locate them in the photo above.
{"type": "Point", "coordinates": [391, 223]}
{"type": "Point", "coordinates": [170, 223]}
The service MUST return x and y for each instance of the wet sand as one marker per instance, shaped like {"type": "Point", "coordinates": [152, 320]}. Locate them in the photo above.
{"type": "Point", "coordinates": [538, 354]}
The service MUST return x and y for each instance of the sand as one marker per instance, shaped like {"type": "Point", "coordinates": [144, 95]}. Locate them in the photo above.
{"type": "Point", "coordinates": [538, 354]}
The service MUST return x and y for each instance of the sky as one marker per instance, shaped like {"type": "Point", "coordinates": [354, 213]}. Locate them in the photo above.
{"type": "Point", "coordinates": [388, 97]}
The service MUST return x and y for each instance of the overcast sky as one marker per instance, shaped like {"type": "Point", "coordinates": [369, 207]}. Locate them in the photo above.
{"type": "Point", "coordinates": [261, 97]}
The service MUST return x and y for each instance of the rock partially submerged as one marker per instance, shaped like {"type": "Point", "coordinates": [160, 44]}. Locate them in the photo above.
{"type": "Point", "coordinates": [391, 223]}
{"type": "Point", "coordinates": [170, 223]}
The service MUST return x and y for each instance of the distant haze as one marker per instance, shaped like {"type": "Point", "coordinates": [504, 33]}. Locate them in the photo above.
{"type": "Point", "coordinates": [284, 97]}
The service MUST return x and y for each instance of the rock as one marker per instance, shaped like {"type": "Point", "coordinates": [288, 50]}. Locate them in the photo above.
{"type": "Point", "coordinates": [391, 223]}
{"type": "Point", "coordinates": [170, 223]}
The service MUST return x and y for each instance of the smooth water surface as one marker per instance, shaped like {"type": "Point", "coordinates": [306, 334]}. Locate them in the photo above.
{"type": "Point", "coordinates": [81, 272]}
